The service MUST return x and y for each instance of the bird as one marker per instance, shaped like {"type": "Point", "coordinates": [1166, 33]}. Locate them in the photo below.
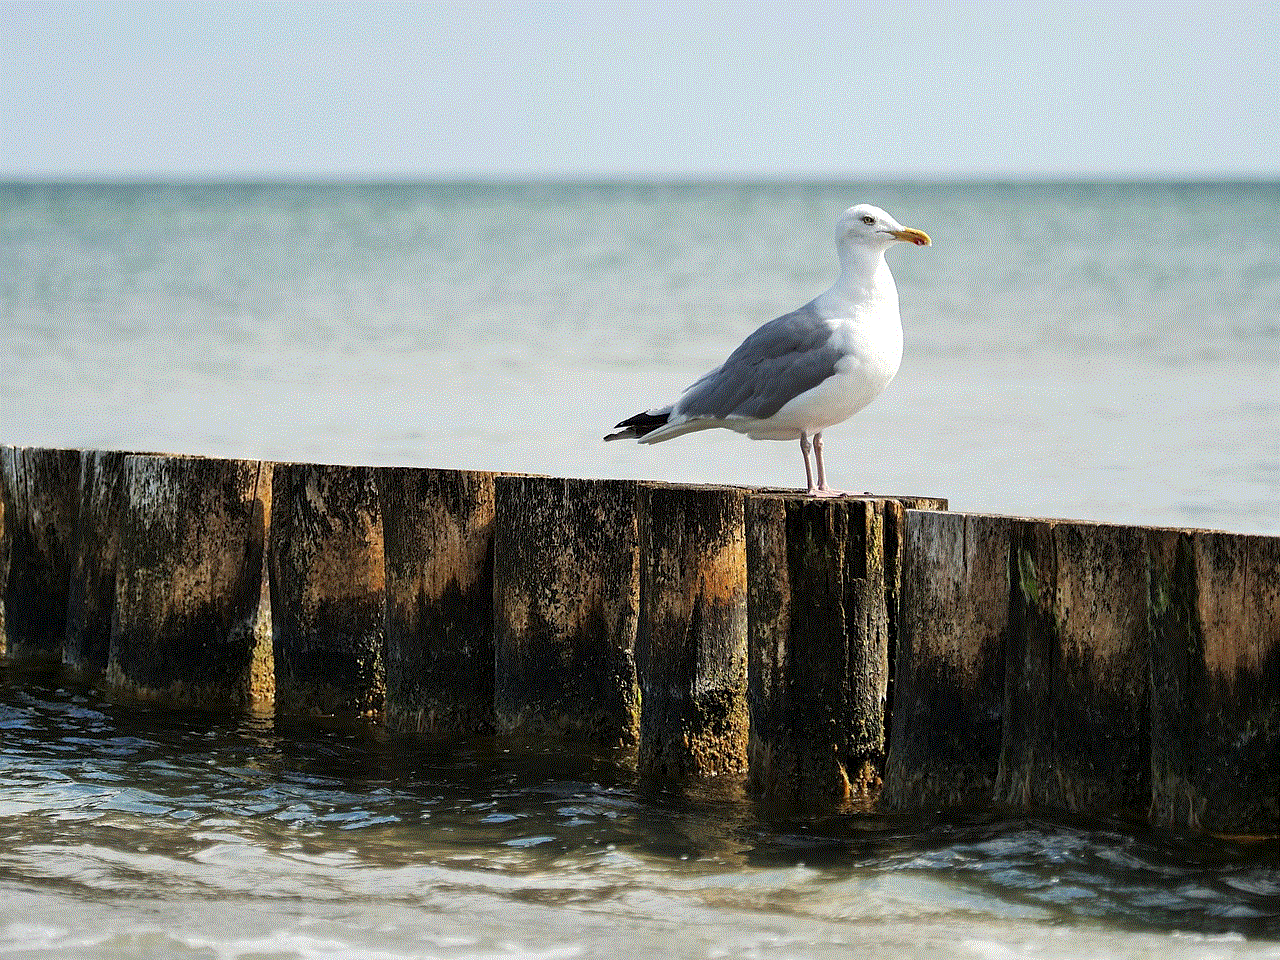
{"type": "Point", "coordinates": [807, 370]}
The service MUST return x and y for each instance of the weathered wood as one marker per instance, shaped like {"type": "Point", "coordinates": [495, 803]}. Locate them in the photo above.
{"type": "Point", "coordinates": [437, 530]}
{"type": "Point", "coordinates": [691, 642]}
{"type": "Point", "coordinates": [327, 576]}
{"type": "Point", "coordinates": [6, 454]}
{"type": "Point", "coordinates": [1026, 746]}
{"type": "Point", "coordinates": [91, 600]}
{"type": "Point", "coordinates": [1215, 734]}
{"type": "Point", "coordinates": [1099, 756]}
{"type": "Point", "coordinates": [947, 691]}
{"type": "Point", "coordinates": [818, 624]}
{"type": "Point", "coordinates": [895, 533]}
{"type": "Point", "coordinates": [4, 557]}
{"type": "Point", "coordinates": [40, 492]}
{"type": "Point", "coordinates": [566, 606]}
{"type": "Point", "coordinates": [189, 623]}
{"type": "Point", "coordinates": [1073, 719]}
{"type": "Point", "coordinates": [1038, 663]}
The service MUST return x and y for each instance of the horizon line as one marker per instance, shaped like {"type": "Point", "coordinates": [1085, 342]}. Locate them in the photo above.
{"type": "Point", "coordinates": [175, 178]}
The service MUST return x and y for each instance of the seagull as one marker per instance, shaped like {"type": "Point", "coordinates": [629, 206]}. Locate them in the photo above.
{"type": "Point", "coordinates": [809, 369]}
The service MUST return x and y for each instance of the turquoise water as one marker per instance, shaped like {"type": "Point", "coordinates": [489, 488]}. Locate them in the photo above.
{"type": "Point", "coordinates": [1103, 351]}
{"type": "Point", "coordinates": [1096, 351]}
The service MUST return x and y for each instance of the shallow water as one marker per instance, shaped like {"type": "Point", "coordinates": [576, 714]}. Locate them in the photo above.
{"type": "Point", "coordinates": [136, 831]}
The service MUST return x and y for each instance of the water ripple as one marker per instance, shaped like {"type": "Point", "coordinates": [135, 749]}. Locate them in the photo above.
{"type": "Point", "coordinates": [164, 819]}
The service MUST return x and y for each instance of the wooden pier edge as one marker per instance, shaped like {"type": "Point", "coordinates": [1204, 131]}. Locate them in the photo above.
{"type": "Point", "coordinates": [858, 652]}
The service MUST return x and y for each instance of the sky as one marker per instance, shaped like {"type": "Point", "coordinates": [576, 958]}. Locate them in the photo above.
{"type": "Point", "coordinates": [915, 90]}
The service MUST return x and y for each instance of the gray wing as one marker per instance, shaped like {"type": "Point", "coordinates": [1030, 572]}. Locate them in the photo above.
{"type": "Point", "coordinates": [781, 360]}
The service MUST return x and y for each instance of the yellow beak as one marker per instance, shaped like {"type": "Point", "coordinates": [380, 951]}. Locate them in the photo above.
{"type": "Point", "coordinates": [912, 235]}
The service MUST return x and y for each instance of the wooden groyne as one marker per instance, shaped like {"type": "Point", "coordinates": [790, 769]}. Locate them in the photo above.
{"type": "Point", "coordinates": [872, 649]}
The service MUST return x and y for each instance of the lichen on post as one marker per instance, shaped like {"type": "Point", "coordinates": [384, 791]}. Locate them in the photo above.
{"type": "Point", "coordinates": [819, 647]}
{"type": "Point", "coordinates": [947, 695]}
{"type": "Point", "coordinates": [327, 577]}
{"type": "Point", "coordinates": [437, 530]}
{"type": "Point", "coordinates": [190, 625]}
{"type": "Point", "coordinates": [39, 489]}
{"type": "Point", "coordinates": [691, 643]}
{"type": "Point", "coordinates": [566, 606]}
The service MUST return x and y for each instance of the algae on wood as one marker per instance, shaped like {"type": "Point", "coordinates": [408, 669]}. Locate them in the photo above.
{"type": "Point", "coordinates": [1215, 736]}
{"type": "Point", "coordinates": [437, 530]}
{"type": "Point", "coordinates": [1099, 756]}
{"type": "Point", "coordinates": [947, 694]}
{"type": "Point", "coordinates": [189, 622]}
{"type": "Point", "coordinates": [566, 605]}
{"type": "Point", "coordinates": [691, 644]}
{"type": "Point", "coordinates": [91, 597]}
{"type": "Point", "coordinates": [326, 583]}
{"type": "Point", "coordinates": [819, 647]}
{"type": "Point", "coordinates": [40, 489]}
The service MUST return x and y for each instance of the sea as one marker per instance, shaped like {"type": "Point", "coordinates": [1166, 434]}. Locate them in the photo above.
{"type": "Point", "coordinates": [1089, 350]}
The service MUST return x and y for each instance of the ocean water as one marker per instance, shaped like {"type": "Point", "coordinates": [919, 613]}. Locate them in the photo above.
{"type": "Point", "coordinates": [1101, 351]}
{"type": "Point", "coordinates": [1093, 351]}
{"type": "Point", "coordinates": [133, 831]}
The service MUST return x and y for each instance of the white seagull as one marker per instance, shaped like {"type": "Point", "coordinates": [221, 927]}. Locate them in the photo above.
{"type": "Point", "coordinates": [809, 369]}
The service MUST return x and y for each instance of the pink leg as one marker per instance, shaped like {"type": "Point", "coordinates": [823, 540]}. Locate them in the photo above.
{"type": "Point", "coordinates": [823, 490]}
{"type": "Point", "coordinates": [805, 447]}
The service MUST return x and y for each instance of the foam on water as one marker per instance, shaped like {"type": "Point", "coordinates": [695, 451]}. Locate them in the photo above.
{"type": "Point", "coordinates": [199, 835]}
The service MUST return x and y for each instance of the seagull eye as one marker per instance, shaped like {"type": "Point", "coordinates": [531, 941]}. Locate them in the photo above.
{"type": "Point", "coordinates": [868, 219]}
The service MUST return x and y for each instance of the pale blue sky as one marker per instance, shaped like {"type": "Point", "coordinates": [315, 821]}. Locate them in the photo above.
{"type": "Point", "coordinates": [796, 89]}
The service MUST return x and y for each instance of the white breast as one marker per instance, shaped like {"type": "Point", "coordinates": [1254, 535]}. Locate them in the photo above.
{"type": "Point", "coordinates": [872, 354]}
{"type": "Point", "coordinates": [861, 310]}
{"type": "Point", "coordinates": [866, 328]}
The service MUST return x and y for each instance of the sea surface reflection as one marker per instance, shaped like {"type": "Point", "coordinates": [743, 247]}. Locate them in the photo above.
{"type": "Point", "coordinates": [135, 831]}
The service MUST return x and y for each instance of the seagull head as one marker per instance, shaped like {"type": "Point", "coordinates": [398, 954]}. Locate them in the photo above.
{"type": "Point", "coordinates": [867, 226]}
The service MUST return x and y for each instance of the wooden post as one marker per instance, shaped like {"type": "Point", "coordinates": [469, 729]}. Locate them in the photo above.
{"type": "Point", "coordinates": [6, 459]}
{"type": "Point", "coordinates": [40, 492]}
{"type": "Point", "coordinates": [91, 600]}
{"type": "Point", "coordinates": [566, 604]}
{"type": "Point", "coordinates": [819, 647]}
{"type": "Point", "coordinates": [1215, 733]}
{"type": "Point", "coordinates": [327, 590]}
{"type": "Point", "coordinates": [947, 694]}
{"type": "Point", "coordinates": [691, 644]}
{"type": "Point", "coordinates": [189, 623]}
{"type": "Point", "coordinates": [1079, 672]}
{"type": "Point", "coordinates": [5, 484]}
{"type": "Point", "coordinates": [1026, 746]}
{"type": "Point", "coordinates": [1038, 663]}
{"type": "Point", "coordinates": [438, 546]}
{"type": "Point", "coordinates": [895, 538]}
{"type": "Point", "coordinates": [1066, 619]}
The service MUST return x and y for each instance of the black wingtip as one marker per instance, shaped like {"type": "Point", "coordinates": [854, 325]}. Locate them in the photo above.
{"type": "Point", "coordinates": [639, 425]}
